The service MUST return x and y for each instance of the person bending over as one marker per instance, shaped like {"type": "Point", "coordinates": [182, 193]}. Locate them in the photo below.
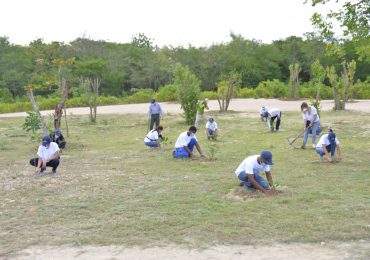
{"type": "Point", "coordinates": [185, 144]}
{"type": "Point", "coordinates": [152, 138]}
{"type": "Point", "coordinates": [328, 143]}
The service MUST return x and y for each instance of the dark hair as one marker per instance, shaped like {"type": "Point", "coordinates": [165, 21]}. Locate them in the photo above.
{"type": "Point", "coordinates": [159, 128]}
{"type": "Point", "coordinates": [304, 105]}
{"type": "Point", "coordinates": [193, 129]}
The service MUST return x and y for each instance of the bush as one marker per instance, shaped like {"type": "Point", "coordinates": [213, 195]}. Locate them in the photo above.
{"type": "Point", "coordinates": [271, 89]}
{"type": "Point", "coordinates": [209, 94]}
{"type": "Point", "coordinates": [167, 93]}
{"type": "Point", "coordinates": [308, 90]}
{"type": "Point", "coordinates": [246, 93]}
{"type": "Point", "coordinates": [5, 96]}
{"type": "Point", "coordinates": [141, 96]}
{"type": "Point", "coordinates": [360, 90]}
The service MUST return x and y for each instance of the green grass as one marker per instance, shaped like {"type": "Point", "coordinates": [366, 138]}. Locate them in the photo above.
{"type": "Point", "coordinates": [112, 190]}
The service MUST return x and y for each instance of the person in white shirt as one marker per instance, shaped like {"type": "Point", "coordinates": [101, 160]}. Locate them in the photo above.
{"type": "Point", "coordinates": [211, 128]}
{"type": "Point", "coordinates": [48, 156]}
{"type": "Point", "coordinates": [311, 121]}
{"type": "Point", "coordinates": [264, 113]}
{"type": "Point", "coordinates": [152, 138]}
{"type": "Point", "coordinates": [248, 172]}
{"type": "Point", "coordinates": [185, 144]}
{"type": "Point", "coordinates": [328, 143]}
{"type": "Point", "coordinates": [272, 114]}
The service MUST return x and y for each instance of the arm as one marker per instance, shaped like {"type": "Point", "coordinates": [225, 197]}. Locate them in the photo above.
{"type": "Point", "coordinates": [326, 153]}
{"type": "Point", "coordinates": [158, 143]}
{"type": "Point", "coordinates": [255, 184]}
{"type": "Point", "coordinates": [189, 152]}
{"type": "Point", "coordinates": [39, 162]}
{"type": "Point", "coordinates": [54, 156]}
{"type": "Point", "coordinates": [339, 154]}
{"type": "Point", "coordinates": [160, 111]}
{"type": "Point", "coordinates": [269, 179]}
{"type": "Point", "coordinates": [312, 121]}
{"type": "Point", "coordinates": [150, 111]}
{"type": "Point", "coordinates": [199, 150]}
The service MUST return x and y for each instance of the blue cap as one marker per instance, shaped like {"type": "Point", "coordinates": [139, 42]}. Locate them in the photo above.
{"type": "Point", "coordinates": [152, 101]}
{"type": "Point", "coordinates": [331, 137]}
{"type": "Point", "coordinates": [211, 120]}
{"type": "Point", "coordinates": [46, 140]}
{"type": "Point", "coordinates": [57, 132]}
{"type": "Point", "coordinates": [265, 114]}
{"type": "Point", "coordinates": [267, 157]}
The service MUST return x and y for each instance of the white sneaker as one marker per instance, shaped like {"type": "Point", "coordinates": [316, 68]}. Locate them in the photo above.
{"type": "Point", "coordinates": [313, 146]}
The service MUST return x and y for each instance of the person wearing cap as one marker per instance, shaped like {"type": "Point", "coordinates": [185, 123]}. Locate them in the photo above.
{"type": "Point", "coordinates": [264, 113]}
{"type": "Point", "coordinates": [201, 105]}
{"type": "Point", "coordinates": [311, 122]}
{"type": "Point", "coordinates": [58, 138]}
{"type": "Point", "coordinates": [248, 172]}
{"type": "Point", "coordinates": [211, 128]}
{"type": "Point", "coordinates": [185, 144]}
{"type": "Point", "coordinates": [152, 138]}
{"type": "Point", "coordinates": [272, 114]}
{"type": "Point", "coordinates": [328, 143]}
{"type": "Point", "coordinates": [155, 112]}
{"type": "Point", "coordinates": [48, 156]}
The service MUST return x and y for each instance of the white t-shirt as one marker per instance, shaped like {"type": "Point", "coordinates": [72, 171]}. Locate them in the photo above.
{"type": "Point", "coordinates": [309, 117]}
{"type": "Point", "coordinates": [263, 110]}
{"type": "Point", "coordinates": [46, 153]}
{"type": "Point", "coordinates": [184, 139]}
{"type": "Point", "coordinates": [251, 163]}
{"type": "Point", "coordinates": [325, 140]}
{"type": "Point", "coordinates": [212, 126]}
{"type": "Point", "coordinates": [274, 112]}
{"type": "Point", "coordinates": [151, 136]}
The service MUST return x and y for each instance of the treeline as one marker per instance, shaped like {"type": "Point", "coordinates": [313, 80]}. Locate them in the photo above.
{"type": "Point", "coordinates": [125, 68]}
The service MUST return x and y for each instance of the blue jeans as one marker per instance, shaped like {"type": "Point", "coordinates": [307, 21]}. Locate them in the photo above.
{"type": "Point", "coordinates": [151, 144]}
{"type": "Point", "coordinates": [181, 152]}
{"type": "Point", "coordinates": [314, 130]}
{"type": "Point", "coordinates": [330, 148]}
{"type": "Point", "coordinates": [243, 176]}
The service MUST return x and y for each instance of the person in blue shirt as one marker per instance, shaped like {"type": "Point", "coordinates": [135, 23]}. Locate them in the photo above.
{"type": "Point", "coordinates": [155, 113]}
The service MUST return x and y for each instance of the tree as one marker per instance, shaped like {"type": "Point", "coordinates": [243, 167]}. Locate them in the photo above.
{"type": "Point", "coordinates": [188, 87]}
{"type": "Point", "coordinates": [294, 78]}
{"type": "Point", "coordinates": [334, 81]}
{"type": "Point", "coordinates": [318, 75]}
{"type": "Point", "coordinates": [90, 73]}
{"type": "Point", "coordinates": [227, 90]}
{"type": "Point", "coordinates": [348, 73]}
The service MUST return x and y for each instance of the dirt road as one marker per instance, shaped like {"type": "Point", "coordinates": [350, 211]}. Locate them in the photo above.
{"type": "Point", "coordinates": [245, 105]}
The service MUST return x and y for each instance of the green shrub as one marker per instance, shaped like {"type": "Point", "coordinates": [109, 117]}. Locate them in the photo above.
{"type": "Point", "coordinates": [271, 89]}
{"type": "Point", "coordinates": [209, 94]}
{"type": "Point", "coordinates": [246, 93]}
{"type": "Point", "coordinates": [5, 96]}
{"type": "Point", "coordinates": [360, 90]}
{"type": "Point", "coordinates": [141, 96]}
{"type": "Point", "coordinates": [167, 93]}
{"type": "Point", "coordinates": [308, 90]}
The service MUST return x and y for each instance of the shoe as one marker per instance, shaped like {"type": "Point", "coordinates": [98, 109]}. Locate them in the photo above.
{"type": "Point", "coordinates": [313, 146]}
{"type": "Point", "coordinates": [303, 146]}
{"type": "Point", "coordinates": [241, 184]}
{"type": "Point", "coordinates": [54, 173]}
{"type": "Point", "coordinates": [42, 172]}
{"type": "Point", "coordinates": [277, 130]}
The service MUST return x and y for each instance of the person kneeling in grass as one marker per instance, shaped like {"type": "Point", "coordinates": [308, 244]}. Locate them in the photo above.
{"type": "Point", "coordinates": [185, 144]}
{"type": "Point", "coordinates": [211, 129]}
{"type": "Point", "coordinates": [48, 156]}
{"type": "Point", "coordinates": [152, 138]}
{"type": "Point", "coordinates": [328, 143]}
{"type": "Point", "coordinates": [248, 173]}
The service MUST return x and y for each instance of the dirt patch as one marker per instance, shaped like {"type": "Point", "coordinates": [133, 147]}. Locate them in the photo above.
{"type": "Point", "coordinates": [241, 193]}
{"type": "Point", "coordinates": [323, 250]}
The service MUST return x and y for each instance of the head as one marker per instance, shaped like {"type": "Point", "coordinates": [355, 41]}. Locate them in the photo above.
{"type": "Point", "coordinates": [265, 114]}
{"type": "Point", "coordinates": [46, 140]}
{"type": "Point", "coordinates": [211, 120]}
{"type": "Point", "coordinates": [152, 101]}
{"type": "Point", "coordinates": [266, 157]}
{"type": "Point", "coordinates": [331, 137]}
{"type": "Point", "coordinates": [304, 107]}
{"type": "Point", "coordinates": [192, 130]}
{"type": "Point", "coordinates": [159, 129]}
{"type": "Point", "coordinates": [57, 133]}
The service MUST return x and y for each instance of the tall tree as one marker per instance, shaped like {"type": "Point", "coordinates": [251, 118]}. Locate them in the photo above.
{"type": "Point", "coordinates": [294, 78]}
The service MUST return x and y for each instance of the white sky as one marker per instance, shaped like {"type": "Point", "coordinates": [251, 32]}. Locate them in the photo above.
{"type": "Point", "coordinates": [167, 22]}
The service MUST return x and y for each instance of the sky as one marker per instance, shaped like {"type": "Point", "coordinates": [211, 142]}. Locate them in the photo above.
{"type": "Point", "coordinates": [167, 22]}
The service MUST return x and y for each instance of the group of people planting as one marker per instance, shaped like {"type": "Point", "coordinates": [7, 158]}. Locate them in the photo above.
{"type": "Point", "coordinates": [247, 172]}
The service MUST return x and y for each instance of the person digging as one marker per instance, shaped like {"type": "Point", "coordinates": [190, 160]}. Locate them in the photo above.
{"type": "Point", "coordinates": [185, 144]}
{"type": "Point", "coordinates": [248, 173]}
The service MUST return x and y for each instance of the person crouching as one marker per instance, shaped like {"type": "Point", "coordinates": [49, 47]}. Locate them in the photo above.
{"type": "Point", "coordinates": [328, 143]}
{"type": "Point", "coordinates": [152, 138]}
{"type": "Point", "coordinates": [48, 156]}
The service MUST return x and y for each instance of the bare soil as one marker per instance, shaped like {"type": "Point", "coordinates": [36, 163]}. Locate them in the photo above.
{"type": "Point", "coordinates": [244, 105]}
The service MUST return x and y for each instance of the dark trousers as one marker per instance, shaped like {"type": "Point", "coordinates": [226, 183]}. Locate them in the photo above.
{"type": "Point", "coordinates": [154, 118]}
{"type": "Point", "coordinates": [277, 121]}
{"type": "Point", "coordinates": [53, 163]}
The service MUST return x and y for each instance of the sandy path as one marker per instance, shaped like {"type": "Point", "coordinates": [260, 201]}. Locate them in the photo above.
{"type": "Point", "coordinates": [246, 105]}
{"type": "Point", "coordinates": [331, 250]}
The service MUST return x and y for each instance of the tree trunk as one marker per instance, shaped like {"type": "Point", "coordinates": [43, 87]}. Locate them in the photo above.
{"type": "Point", "coordinates": [65, 119]}
{"type": "Point", "coordinates": [336, 97]}
{"type": "Point", "coordinates": [37, 111]}
{"type": "Point", "coordinates": [59, 108]}
{"type": "Point", "coordinates": [318, 94]}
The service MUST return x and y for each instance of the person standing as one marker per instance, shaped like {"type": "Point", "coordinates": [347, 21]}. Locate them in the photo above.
{"type": "Point", "coordinates": [328, 143]}
{"type": "Point", "coordinates": [152, 138]}
{"type": "Point", "coordinates": [48, 156]}
{"type": "Point", "coordinates": [248, 172]}
{"type": "Point", "coordinates": [155, 113]}
{"type": "Point", "coordinates": [185, 144]}
{"type": "Point", "coordinates": [201, 105]}
{"type": "Point", "coordinates": [311, 121]}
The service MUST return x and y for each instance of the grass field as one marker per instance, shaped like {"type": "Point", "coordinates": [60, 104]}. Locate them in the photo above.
{"type": "Point", "coordinates": [112, 190]}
